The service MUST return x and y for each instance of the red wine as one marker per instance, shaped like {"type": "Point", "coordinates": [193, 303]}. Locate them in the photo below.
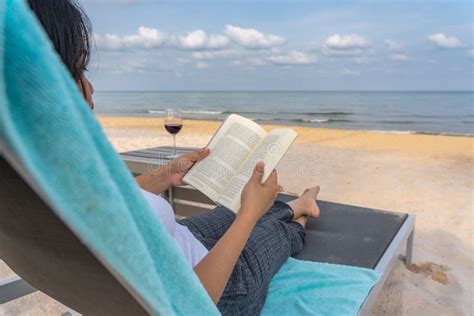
{"type": "Point", "coordinates": [173, 128]}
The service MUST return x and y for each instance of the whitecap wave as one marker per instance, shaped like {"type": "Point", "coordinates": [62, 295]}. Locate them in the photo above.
{"type": "Point", "coordinates": [316, 120]}
{"type": "Point", "coordinates": [202, 112]}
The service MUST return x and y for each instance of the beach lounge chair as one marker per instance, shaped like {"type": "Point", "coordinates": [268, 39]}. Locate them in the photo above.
{"type": "Point", "coordinates": [40, 248]}
{"type": "Point", "coordinates": [344, 234]}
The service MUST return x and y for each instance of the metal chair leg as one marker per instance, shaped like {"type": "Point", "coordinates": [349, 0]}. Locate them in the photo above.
{"type": "Point", "coordinates": [13, 288]}
{"type": "Point", "coordinates": [409, 251]}
{"type": "Point", "coordinates": [171, 197]}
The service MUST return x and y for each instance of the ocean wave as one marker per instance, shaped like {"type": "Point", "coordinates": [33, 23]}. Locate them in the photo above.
{"type": "Point", "coordinates": [391, 132]}
{"type": "Point", "coordinates": [419, 133]}
{"type": "Point", "coordinates": [304, 120]}
{"type": "Point", "coordinates": [316, 120]}
{"type": "Point", "coordinates": [250, 113]}
{"type": "Point", "coordinates": [333, 113]}
{"type": "Point", "coordinates": [208, 112]}
{"type": "Point", "coordinates": [323, 113]}
{"type": "Point", "coordinates": [264, 119]}
{"type": "Point", "coordinates": [199, 112]}
{"type": "Point", "coordinates": [396, 122]}
{"type": "Point", "coordinates": [445, 134]}
{"type": "Point", "coordinates": [327, 120]}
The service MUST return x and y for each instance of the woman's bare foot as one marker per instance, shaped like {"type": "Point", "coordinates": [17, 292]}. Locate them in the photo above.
{"type": "Point", "coordinates": [306, 205]}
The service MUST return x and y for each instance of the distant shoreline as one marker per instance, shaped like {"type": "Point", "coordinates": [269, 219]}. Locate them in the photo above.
{"type": "Point", "coordinates": [288, 123]}
{"type": "Point", "coordinates": [151, 129]}
{"type": "Point", "coordinates": [349, 91]}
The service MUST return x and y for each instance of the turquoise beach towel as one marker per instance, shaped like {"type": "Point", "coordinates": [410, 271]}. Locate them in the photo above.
{"type": "Point", "coordinates": [49, 132]}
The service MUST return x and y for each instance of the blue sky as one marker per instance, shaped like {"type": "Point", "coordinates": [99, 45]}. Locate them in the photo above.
{"type": "Point", "coordinates": [282, 45]}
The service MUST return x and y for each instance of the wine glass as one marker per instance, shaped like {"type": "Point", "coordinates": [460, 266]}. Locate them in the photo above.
{"type": "Point", "coordinates": [173, 124]}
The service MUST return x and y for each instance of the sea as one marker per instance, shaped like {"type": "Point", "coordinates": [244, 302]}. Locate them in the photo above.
{"type": "Point", "coordinates": [411, 112]}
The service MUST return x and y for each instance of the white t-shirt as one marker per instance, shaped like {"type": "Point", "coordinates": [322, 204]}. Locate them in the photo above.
{"type": "Point", "coordinates": [193, 249]}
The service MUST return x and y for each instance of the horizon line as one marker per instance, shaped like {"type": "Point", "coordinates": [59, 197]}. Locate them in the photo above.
{"type": "Point", "coordinates": [205, 90]}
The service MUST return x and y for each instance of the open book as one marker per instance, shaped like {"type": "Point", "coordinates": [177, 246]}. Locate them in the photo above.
{"type": "Point", "coordinates": [235, 150]}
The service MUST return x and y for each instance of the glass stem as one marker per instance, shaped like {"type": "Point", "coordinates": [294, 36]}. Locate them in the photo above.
{"type": "Point", "coordinates": [174, 143]}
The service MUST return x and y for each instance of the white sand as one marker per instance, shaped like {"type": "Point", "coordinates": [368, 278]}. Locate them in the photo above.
{"type": "Point", "coordinates": [431, 176]}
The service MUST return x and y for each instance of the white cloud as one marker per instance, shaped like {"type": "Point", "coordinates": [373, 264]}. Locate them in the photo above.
{"type": "Point", "coordinates": [217, 41]}
{"type": "Point", "coordinates": [393, 45]}
{"type": "Point", "coordinates": [396, 49]}
{"type": "Point", "coordinates": [202, 65]}
{"type": "Point", "coordinates": [353, 53]}
{"type": "Point", "coordinates": [346, 42]}
{"type": "Point", "coordinates": [353, 47]}
{"type": "Point", "coordinates": [198, 39]}
{"type": "Point", "coordinates": [108, 41]}
{"type": "Point", "coordinates": [293, 58]}
{"type": "Point", "coordinates": [214, 54]}
{"type": "Point", "coordinates": [145, 38]}
{"type": "Point", "coordinates": [443, 41]}
{"type": "Point", "coordinates": [252, 61]}
{"type": "Point", "coordinates": [399, 57]}
{"type": "Point", "coordinates": [251, 38]}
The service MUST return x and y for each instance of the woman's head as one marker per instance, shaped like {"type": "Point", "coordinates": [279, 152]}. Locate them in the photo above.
{"type": "Point", "coordinates": [69, 30]}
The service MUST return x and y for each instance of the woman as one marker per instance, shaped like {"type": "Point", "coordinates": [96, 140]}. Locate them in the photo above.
{"type": "Point", "coordinates": [234, 256]}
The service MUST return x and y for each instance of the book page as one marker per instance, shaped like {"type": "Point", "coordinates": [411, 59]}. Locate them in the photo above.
{"type": "Point", "coordinates": [230, 147]}
{"type": "Point", "coordinates": [270, 150]}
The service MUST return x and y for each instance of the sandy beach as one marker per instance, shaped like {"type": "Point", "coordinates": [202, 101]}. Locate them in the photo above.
{"type": "Point", "coordinates": [430, 176]}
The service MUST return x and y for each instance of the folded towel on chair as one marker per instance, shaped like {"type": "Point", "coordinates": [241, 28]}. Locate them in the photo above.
{"type": "Point", "coordinates": [313, 288]}
{"type": "Point", "coordinates": [48, 130]}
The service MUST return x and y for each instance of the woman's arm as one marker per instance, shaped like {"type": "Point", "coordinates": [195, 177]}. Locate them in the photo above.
{"type": "Point", "coordinates": [215, 269]}
{"type": "Point", "coordinates": [155, 182]}
{"type": "Point", "coordinates": [171, 174]}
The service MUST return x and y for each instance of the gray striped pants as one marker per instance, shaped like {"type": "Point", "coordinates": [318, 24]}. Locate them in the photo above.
{"type": "Point", "coordinates": [273, 240]}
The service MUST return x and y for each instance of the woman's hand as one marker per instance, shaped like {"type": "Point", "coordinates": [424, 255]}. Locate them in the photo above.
{"type": "Point", "coordinates": [256, 197]}
{"type": "Point", "coordinates": [172, 174]}
{"type": "Point", "coordinates": [177, 168]}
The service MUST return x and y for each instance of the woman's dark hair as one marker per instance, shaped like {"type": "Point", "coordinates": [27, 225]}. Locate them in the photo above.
{"type": "Point", "coordinates": [69, 28]}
